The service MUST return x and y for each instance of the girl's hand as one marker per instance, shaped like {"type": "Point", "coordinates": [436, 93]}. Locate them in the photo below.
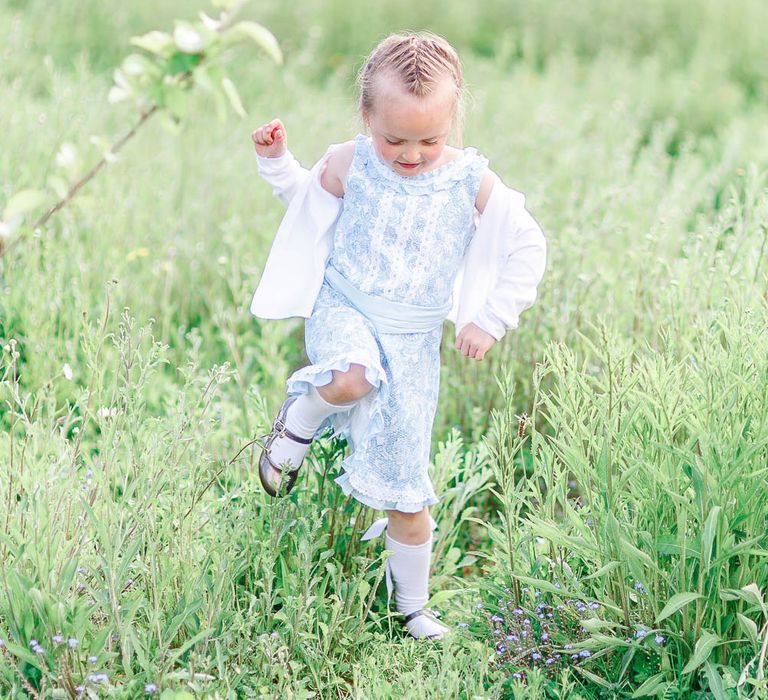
{"type": "Point", "coordinates": [270, 140]}
{"type": "Point", "coordinates": [474, 342]}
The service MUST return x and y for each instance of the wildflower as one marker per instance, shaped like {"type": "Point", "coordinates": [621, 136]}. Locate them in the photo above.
{"type": "Point", "coordinates": [517, 611]}
{"type": "Point", "coordinates": [98, 677]}
{"type": "Point", "coordinates": [544, 636]}
{"type": "Point", "coordinates": [497, 618]}
{"type": "Point", "coordinates": [2, 644]}
{"type": "Point", "coordinates": [517, 676]}
{"type": "Point", "coordinates": [33, 643]}
{"type": "Point", "coordinates": [463, 624]}
{"type": "Point", "coordinates": [150, 688]}
{"type": "Point", "coordinates": [72, 642]}
{"type": "Point", "coordinates": [585, 653]}
{"type": "Point", "coordinates": [497, 631]}
{"type": "Point", "coordinates": [79, 689]}
{"type": "Point", "coordinates": [501, 650]}
{"type": "Point", "coordinates": [659, 639]}
{"type": "Point", "coordinates": [57, 639]}
{"type": "Point", "coordinates": [537, 594]}
{"type": "Point", "coordinates": [574, 656]}
{"type": "Point", "coordinates": [536, 656]}
{"type": "Point", "coordinates": [571, 484]}
{"type": "Point", "coordinates": [524, 633]}
{"type": "Point", "coordinates": [80, 569]}
{"type": "Point", "coordinates": [549, 661]}
{"type": "Point", "coordinates": [640, 588]}
{"type": "Point", "coordinates": [640, 634]}
{"type": "Point", "coordinates": [479, 606]}
{"type": "Point", "coordinates": [568, 646]}
{"type": "Point", "coordinates": [557, 584]}
{"type": "Point", "coordinates": [560, 606]}
{"type": "Point", "coordinates": [512, 638]}
{"type": "Point", "coordinates": [525, 590]}
{"type": "Point", "coordinates": [594, 606]}
{"type": "Point", "coordinates": [93, 659]}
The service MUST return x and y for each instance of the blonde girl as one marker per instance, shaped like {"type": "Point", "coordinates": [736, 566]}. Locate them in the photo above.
{"type": "Point", "coordinates": [383, 239]}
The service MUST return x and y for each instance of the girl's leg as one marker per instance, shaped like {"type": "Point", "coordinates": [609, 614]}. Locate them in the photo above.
{"type": "Point", "coordinates": [409, 536]}
{"type": "Point", "coordinates": [305, 415]}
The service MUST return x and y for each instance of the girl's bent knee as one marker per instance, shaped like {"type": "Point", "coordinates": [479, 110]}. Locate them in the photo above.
{"type": "Point", "coordinates": [347, 386]}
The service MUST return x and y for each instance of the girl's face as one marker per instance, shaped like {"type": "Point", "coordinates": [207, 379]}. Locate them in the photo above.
{"type": "Point", "coordinates": [410, 132]}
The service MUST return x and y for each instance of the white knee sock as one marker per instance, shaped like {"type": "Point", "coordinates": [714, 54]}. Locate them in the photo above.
{"type": "Point", "coordinates": [304, 417]}
{"type": "Point", "coordinates": [409, 565]}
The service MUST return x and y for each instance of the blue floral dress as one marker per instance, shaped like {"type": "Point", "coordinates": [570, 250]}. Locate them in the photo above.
{"type": "Point", "coordinates": [401, 238]}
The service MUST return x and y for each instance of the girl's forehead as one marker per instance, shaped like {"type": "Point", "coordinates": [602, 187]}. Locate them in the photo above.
{"type": "Point", "coordinates": [397, 111]}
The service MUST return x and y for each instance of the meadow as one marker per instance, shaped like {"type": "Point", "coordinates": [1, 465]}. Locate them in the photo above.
{"type": "Point", "coordinates": [603, 473]}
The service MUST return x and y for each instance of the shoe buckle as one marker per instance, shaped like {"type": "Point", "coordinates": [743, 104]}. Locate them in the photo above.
{"type": "Point", "coordinates": [279, 427]}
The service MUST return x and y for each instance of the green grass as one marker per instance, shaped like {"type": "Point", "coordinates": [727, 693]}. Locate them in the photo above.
{"type": "Point", "coordinates": [132, 521]}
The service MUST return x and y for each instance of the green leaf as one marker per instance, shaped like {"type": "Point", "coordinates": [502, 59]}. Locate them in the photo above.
{"type": "Point", "coordinates": [22, 202]}
{"type": "Point", "coordinates": [680, 600]}
{"type": "Point", "coordinates": [260, 35]}
{"type": "Point", "coordinates": [441, 596]}
{"type": "Point", "coordinates": [715, 681]}
{"type": "Point", "coordinates": [181, 62]}
{"type": "Point", "coordinates": [749, 627]}
{"type": "Point", "coordinates": [155, 42]}
{"type": "Point", "coordinates": [708, 538]}
{"type": "Point", "coordinates": [234, 98]}
{"type": "Point", "coordinates": [650, 687]}
{"type": "Point", "coordinates": [707, 642]}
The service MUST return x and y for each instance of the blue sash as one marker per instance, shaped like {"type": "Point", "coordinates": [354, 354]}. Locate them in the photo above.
{"type": "Point", "coordinates": [388, 316]}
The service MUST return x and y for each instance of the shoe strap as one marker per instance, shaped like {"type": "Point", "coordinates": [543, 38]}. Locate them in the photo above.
{"type": "Point", "coordinates": [428, 612]}
{"type": "Point", "coordinates": [282, 431]}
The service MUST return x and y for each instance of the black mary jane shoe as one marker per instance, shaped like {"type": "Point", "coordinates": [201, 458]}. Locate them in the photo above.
{"type": "Point", "coordinates": [275, 479]}
{"type": "Point", "coordinates": [432, 615]}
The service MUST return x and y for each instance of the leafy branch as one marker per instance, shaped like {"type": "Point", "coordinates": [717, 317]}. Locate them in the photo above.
{"type": "Point", "coordinates": [157, 79]}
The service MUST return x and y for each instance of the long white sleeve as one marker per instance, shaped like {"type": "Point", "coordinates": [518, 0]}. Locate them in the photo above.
{"type": "Point", "coordinates": [284, 173]}
{"type": "Point", "coordinates": [525, 254]}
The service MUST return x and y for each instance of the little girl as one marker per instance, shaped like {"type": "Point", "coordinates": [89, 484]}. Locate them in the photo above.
{"type": "Point", "coordinates": [385, 237]}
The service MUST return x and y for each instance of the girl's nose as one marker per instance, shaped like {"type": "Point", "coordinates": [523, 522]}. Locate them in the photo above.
{"type": "Point", "coordinates": [412, 155]}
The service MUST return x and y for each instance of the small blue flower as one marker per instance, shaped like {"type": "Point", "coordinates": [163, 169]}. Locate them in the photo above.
{"type": "Point", "coordinates": [93, 659]}
{"type": "Point", "coordinates": [640, 634]}
{"type": "Point", "coordinates": [479, 606]}
{"type": "Point", "coordinates": [574, 656]}
{"type": "Point", "coordinates": [72, 642]}
{"type": "Point", "coordinates": [517, 611]}
{"type": "Point", "coordinates": [568, 646]}
{"type": "Point", "coordinates": [549, 661]}
{"type": "Point", "coordinates": [497, 618]}
{"type": "Point", "coordinates": [537, 594]}
{"type": "Point", "coordinates": [57, 639]}
{"type": "Point", "coordinates": [585, 653]}
{"type": "Point", "coordinates": [463, 624]}
{"type": "Point", "coordinates": [517, 676]}
{"type": "Point", "coordinates": [536, 656]}
{"type": "Point", "coordinates": [594, 606]}
{"type": "Point", "coordinates": [33, 643]}
{"type": "Point", "coordinates": [659, 639]}
{"type": "Point", "coordinates": [544, 636]}
{"type": "Point", "coordinates": [525, 590]}
{"type": "Point", "coordinates": [150, 688]}
{"type": "Point", "coordinates": [640, 588]}
{"type": "Point", "coordinates": [512, 638]}
{"type": "Point", "coordinates": [524, 633]}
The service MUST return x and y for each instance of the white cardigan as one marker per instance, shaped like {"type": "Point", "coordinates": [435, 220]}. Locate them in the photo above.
{"type": "Point", "coordinates": [496, 282]}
